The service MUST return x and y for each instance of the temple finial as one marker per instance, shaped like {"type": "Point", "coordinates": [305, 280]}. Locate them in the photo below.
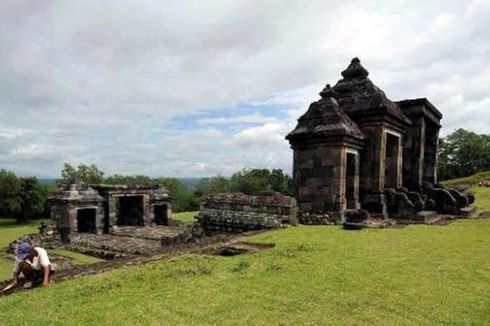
{"type": "Point", "coordinates": [355, 70]}
{"type": "Point", "coordinates": [328, 91]}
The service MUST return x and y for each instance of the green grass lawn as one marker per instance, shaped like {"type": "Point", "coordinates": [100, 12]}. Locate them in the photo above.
{"type": "Point", "coordinates": [76, 258]}
{"type": "Point", "coordinates": [482, 194]}
{"type": "Point", "coordinates": [471, 180]}
{"type": "Point", "coordinates": [10, 230]}
{"type": "Point", "coordinates": [482, 197]}
{"type": "Point", "coordinates": [185, 216]}
{"type": "Point", "coordinates": [418, 275]}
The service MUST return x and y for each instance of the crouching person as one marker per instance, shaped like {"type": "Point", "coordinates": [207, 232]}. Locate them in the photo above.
{"type": "Point", "coordinates": [34, 264]}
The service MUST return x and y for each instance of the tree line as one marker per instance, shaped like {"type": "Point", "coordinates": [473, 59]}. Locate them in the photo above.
{"type": "Point", "coordinates": [22, 197]}
{"type": "Point", "coordinates": [248, 181]}
{"type": "Point", "coordinates": [26, 197]}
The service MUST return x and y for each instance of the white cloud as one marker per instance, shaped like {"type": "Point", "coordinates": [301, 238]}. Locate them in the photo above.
{"type": "Point", "coordinates": [245, 119]}
{"type": "Point", "coordinates": [103, 82]}
{"type": "Point", "coordinates": [266, 136]}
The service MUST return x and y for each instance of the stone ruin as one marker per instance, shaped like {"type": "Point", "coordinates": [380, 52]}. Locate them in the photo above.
{"type": "Point", "coordinates": [237, 212]}
{"type": "Point", "coordinates": [117, 221]}
{"type": "Point", "coordinates": [98, 209]}
{"type": "Point", "coordinates": [113, 221]}
{"type": "Point", "coordinates": [357, 149]}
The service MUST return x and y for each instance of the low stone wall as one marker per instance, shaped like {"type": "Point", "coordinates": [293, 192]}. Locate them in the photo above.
{"type": "Point", "coordinates": [237, 212]}
{"type": "Point", "coordinates": [319, 218]}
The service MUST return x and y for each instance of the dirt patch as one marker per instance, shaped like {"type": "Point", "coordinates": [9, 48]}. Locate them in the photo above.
{"type": "Point", "coordinates": [485, 214]}
{"type": "Point", "coordinates": [445, 220]}
{"type": "Point", "coordinates": [238, 248]}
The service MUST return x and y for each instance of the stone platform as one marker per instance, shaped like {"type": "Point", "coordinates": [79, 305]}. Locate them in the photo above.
{"type": "Point", "coordinates": [149, 233]}
{"type": "Point", "coordinates": [129, 240]}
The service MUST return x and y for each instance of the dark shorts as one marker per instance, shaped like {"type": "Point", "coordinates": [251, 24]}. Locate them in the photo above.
{"type": "Point", "coordinates": [39, 276]}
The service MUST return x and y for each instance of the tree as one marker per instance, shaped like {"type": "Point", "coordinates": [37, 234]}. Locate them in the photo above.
{"type": "Point", "coordinates": [90, 174]}
{"type": "Point", "coordinates": [10, 202]}
{"type": "Point", "coordinates": [129, 180]}
{"type": "Point", "coordinates": [251, 181]}
{"type": "Point", "coordinates": [463, 153]}
{"type": "Point", "coordinates": [33, 198]}
{"type": "Point", "coordinates": [183, 198]}
{"type": "Point", "coordinates": [280, 182]}
{"type": "Point", "coordinates": [212, 185]}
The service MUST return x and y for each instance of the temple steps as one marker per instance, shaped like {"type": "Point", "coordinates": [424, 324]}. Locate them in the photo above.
{"type": "Point", "coordinates": [109, 244]}
{"type": "Point", "coordinates": [147, 233]}
{"type": "Point", "coordinates": [97, 252]}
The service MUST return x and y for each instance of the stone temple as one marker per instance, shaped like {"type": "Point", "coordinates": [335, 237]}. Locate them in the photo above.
{"type": "Point", "coordinates": [355, 148]}
{"type": "Point", "coordinates": [98, 209]}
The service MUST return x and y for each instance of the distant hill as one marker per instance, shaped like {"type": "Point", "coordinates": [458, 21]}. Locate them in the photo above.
{"type": "Point", "coordinates": [471, 180]}
{"type": "Point", "coordinates": [190, 182]}
{"type": "Point", "coordinates": [48, 181]}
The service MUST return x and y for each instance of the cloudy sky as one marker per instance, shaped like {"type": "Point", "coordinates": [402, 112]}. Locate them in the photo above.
{"type": "Point", "coordinates": [199, 88]}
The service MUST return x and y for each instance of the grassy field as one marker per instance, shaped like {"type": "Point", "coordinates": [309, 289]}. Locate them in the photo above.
{"type": "Point", "coordinates": [76, 258]}
{"type": "Point", "coordinates": [482, 194]}
{"type": "Point", "coordinates": [472, 180]}
{"type": "Point", "coordinates": [482, 197]}
{"type": "Point", "coordinates": [315, 275]}
{"type": "Point", "coordinates": [185, 216]}
{"type": "Point", "coordinates": [418, 275]}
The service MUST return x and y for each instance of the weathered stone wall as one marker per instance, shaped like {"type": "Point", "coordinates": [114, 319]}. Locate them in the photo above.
{"type": "Point", "coordinates": [319, 177]}
{"type": "Point", "coordinates": [151, 196]}
{"type": "Point", "coordinates": [413, 155]}
{"type": "Point", "coordinates": [316, 218]}
{"type": "Point", "coordinates": [77, 207]}
{"type": "Point", "coordinates": [65, 216]}
{"type": "Point", "coordinates": [421, 143]}
{"type": "Point", "coordinates": [430, 153]}
{"type": "Point", "coordinates": [237, 212]}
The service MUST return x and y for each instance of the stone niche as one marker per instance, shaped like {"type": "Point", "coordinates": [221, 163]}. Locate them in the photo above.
{"type": "Point", "coordinates": [237, 212]}
{"type": "Point", "coordinates": [77, 208]}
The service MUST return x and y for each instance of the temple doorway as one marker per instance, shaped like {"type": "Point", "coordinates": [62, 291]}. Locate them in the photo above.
{"type": "Point", "coordinates": [161, 214]}
{"type": "Point", "coordinates": [86, 220]}
{"type": "Point", "coordinates": [130, 210]}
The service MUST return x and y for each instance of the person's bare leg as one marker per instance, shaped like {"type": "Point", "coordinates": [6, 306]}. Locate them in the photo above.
{"type": "Point", "coordinates": [15, 278]}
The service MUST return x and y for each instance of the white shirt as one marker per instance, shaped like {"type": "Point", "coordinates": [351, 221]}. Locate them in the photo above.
{"type": "Point", "coordinates": [38, 262]}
